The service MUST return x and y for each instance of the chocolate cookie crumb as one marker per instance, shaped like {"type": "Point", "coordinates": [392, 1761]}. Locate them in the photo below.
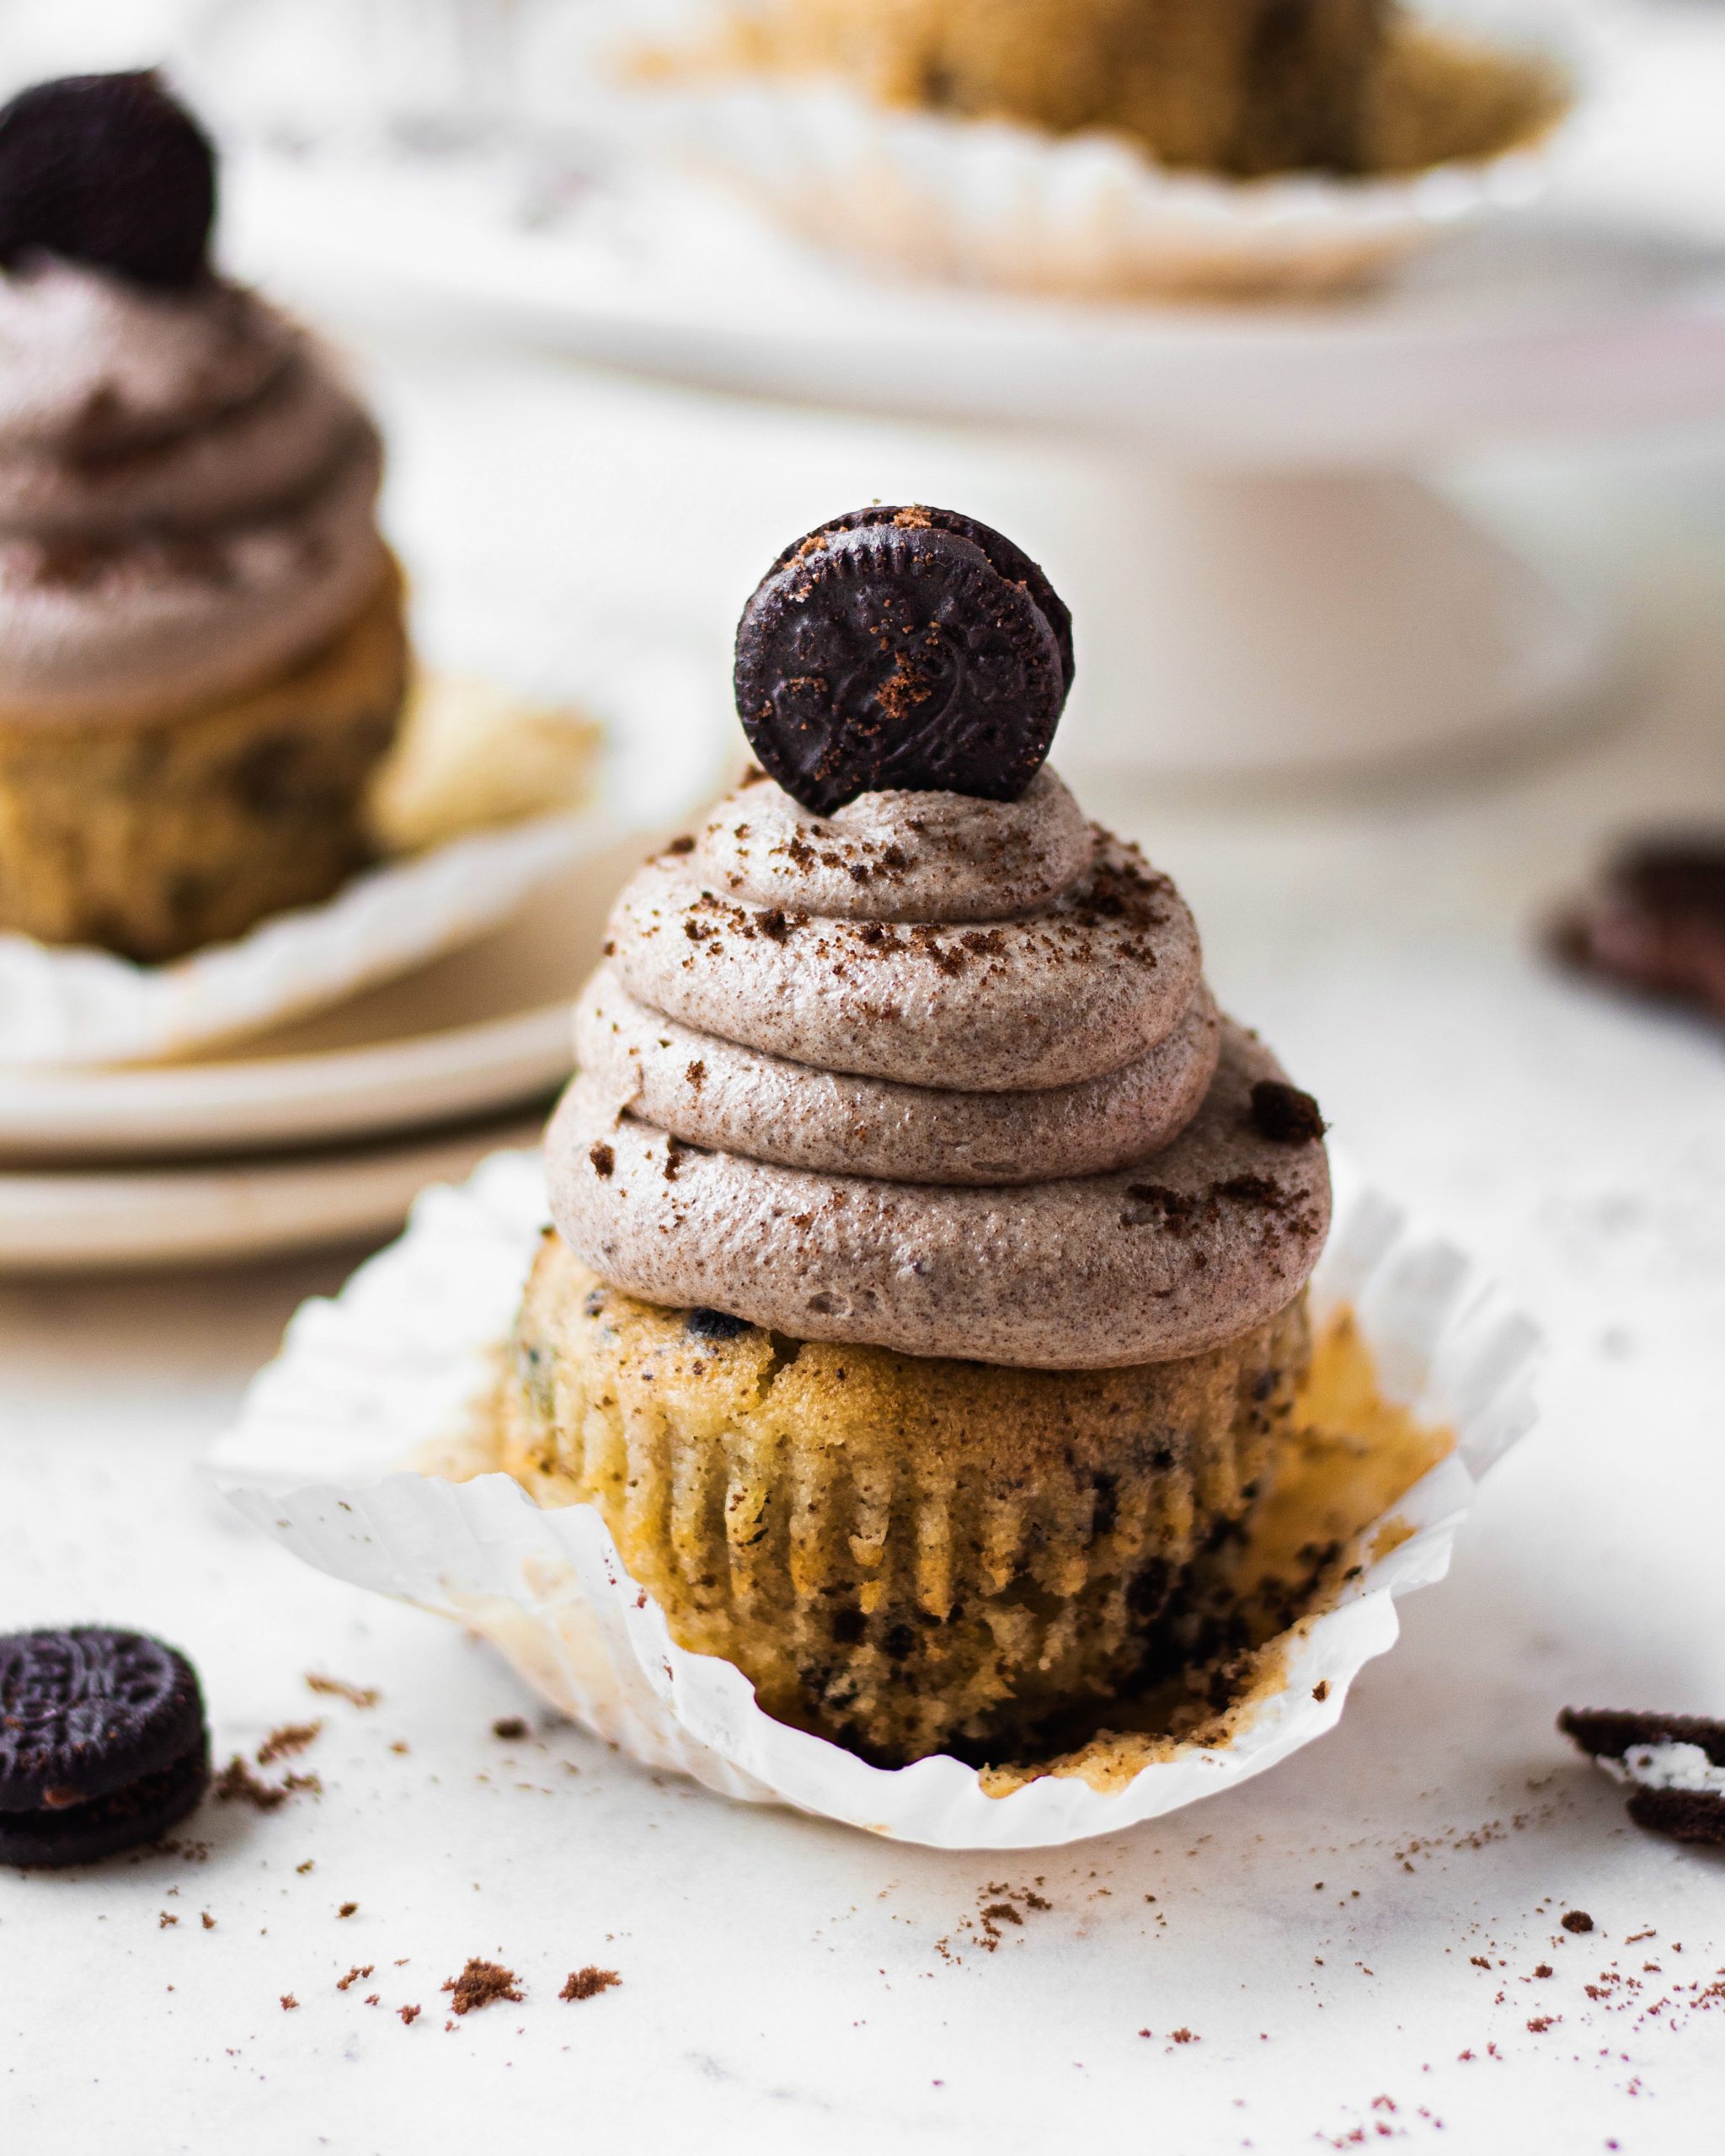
{"type": "Point", "coordinates": [716, 1325]}
{"type": "Point", "coordinates": [1576, 1920]}
{"type": "Point", "coordinates": [409, 2014]}
{"type": "Point", "coordinates": [589, 1982]}
{"type": "Point", "coordinates": [481, 1983]}
{"type": "Point", "coordinates": [511, 1728]}
{"type": "Point", "coordinates": [1285, 1115]}
{"type": "Point", "coordinates": [347, 1908]}
{"type": "Point", "coordinates": [290, 2005]}
{"type": "Point", "coordinates": [604, 1161]}
{"type": "Point", "coordinates": [237, 1784]}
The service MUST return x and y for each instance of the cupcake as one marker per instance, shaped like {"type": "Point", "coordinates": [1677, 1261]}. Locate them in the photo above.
{"type": "Point", "coordinates": [202, 652]}
{"type": "Point", "coordinates": [1244, 86]}
{"type": "Point", "coordinates": [1109, 147]}
{"type": "Point", "coordinates": [926, 1289]}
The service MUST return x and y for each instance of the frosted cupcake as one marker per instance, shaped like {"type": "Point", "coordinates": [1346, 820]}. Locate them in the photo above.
{"type": "Point", "coordinates": [927, 1282]}
{"type": "Point", "coordinates": [1111, 147]}
{"type": "Point", "coordinates": [202, 655]}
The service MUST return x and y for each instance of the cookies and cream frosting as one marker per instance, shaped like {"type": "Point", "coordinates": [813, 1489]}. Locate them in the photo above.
{"type": "Point", "coordinates": [933, 1073]}
{"type": "Point", "coordinates": [187, 495]}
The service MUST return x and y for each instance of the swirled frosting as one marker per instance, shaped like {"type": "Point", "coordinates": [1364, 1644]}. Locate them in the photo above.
{"type": "Point", "coordinates": [187, 496]}
{"type": "Point", "coordinates": [935, 1073]}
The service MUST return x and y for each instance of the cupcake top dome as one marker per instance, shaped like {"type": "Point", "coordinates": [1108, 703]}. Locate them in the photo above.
{"type": "Point", "coordinates": [897, 1047]}
{"type": "Point", "coordinates": [187, 486]}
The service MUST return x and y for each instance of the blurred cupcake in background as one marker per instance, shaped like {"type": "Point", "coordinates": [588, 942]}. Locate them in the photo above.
{"type": "Point", "coordinates": [202, 651]}
{"type": "Point", "coordinates": [1111, 147]}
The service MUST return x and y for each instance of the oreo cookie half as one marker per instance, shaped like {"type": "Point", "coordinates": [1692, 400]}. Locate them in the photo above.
{"type": "Point", "coordinates": [109, 170]}
{"type": "Point", "coordinates": [103, 1743]}
{"type": "Point", "coordinates": [905, 648]}
{"type": "Point", "coordinates": [1674, 1764]}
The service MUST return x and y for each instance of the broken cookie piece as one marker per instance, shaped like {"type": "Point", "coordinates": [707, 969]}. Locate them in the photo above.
{"type": "Point", "coordinates": [1673, 1764]}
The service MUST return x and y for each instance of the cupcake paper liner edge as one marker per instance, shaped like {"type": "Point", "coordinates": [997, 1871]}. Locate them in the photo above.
{"type": "Point", "coordinates": [401, 1361]}
{"type": "Point", "coordinates": [69, 1006]}
{"type": "Point", "coordinates": [986, 202]}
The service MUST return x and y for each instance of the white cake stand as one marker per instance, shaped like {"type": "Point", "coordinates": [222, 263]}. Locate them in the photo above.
{"type": "Point", "coordinates": [1228, 499]}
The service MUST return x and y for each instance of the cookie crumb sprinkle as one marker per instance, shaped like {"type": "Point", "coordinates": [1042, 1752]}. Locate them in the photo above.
{"type": "Point", "coordinates": [481, 1983]}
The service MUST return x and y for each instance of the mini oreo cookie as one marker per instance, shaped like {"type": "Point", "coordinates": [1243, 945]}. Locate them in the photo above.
{"type": "Point", "coordinates": [904, 648]}
{"type": "Point", "coordinates": [103, 1743]}
{"type": "Point", "coordinates": [109, 170]}
{"type": "Point", "coordinates": [1674, 1764]}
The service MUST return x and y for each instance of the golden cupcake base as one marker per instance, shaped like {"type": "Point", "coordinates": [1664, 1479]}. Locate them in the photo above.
{"type": "Point", "coordinates": [155, 839]}
{"type": "Point", "coordinates": [905, 1555]}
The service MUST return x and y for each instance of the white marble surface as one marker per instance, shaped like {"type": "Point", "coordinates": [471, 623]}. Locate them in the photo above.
{"type": "Point", "coordinates": [786, 1986]}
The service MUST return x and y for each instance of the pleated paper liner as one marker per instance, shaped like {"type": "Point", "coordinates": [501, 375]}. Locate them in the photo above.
{"type": "Point", "coordinates": [367, 1448]}
{"type": "Point", "coordinates": [993, 203]}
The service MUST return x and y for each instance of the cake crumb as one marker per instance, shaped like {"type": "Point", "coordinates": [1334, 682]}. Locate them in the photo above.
{"type": "Point", "coordinates": [347, 1908]}
{"type": "Point", "coordinates": [589, 1982]}
{"type": "Point", "coordinates": [355, 1975]}
{"type": "Point", "coordinates": [290, 2005]}
{"type": "Point", "coordinates": [481, 1983]}
{"type": "Point", "coordinates": [336, 1688]}
{"type": "Point", "coordinates": [511, 1728]}
{"type": "Point", "coordinates": [409, 2014]}
{"type": "Point", "coordinates": [1576, 1920]}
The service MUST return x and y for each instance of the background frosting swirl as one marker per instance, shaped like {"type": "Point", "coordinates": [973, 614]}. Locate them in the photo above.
{"type": "Point", "coordinates": [188, 496]}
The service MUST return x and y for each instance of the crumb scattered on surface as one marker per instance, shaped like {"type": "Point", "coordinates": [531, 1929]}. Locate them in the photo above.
{"type": "Point", "coordinates": [282, 1743]}
{"type": "Point", "coordinates": [481, 1983]}
{"type": "Point", "coordinates": [1576, 1920]}
{"type": "Point", "coordinates": [347, 1908]}
{"type": "Point", "coordinates": [511, 1728]}
{"type": "Point", "coordinates": [237, 1784]}
{"type": "Point", "coordinates": [409, 2014]}
{"type": "Point", "coordinates": [355, 1975]}
{"type": "Point", "coordinates": [290, 2005]}
{"type": "Point", "coordinates": [589, 1982]}
{"type": "Point", "coordinates": [336, 1688]}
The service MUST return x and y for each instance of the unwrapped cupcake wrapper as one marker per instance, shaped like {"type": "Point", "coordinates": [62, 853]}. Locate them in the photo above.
{"type": "Point", "coordinates": [398, 1368]}
{"type": "Point", "coordinates": [992, 203]}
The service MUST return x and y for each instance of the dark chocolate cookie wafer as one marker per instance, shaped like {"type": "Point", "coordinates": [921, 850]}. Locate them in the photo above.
{"type": "Point", "coordinates": [903, 647]}
{"type": "Point", "coordinates": [110, 170]}
{"type": "Point", "coordinates": [1655, 922]}
{"type": "Point", "coordinates": [103, 1743]}
{"type": "Point", "coordinates": [1673, 1764]}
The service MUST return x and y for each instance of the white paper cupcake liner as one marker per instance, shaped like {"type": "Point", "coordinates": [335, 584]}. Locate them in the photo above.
{"type": "Point", "coordinates": [72, 1006]}
{"type": "Point", "coordinates": [401, 1361]}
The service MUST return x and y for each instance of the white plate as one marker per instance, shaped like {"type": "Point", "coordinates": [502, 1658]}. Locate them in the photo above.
{"type": "Point", "coordinates": [89, 1222]}
{"type": "Point", "coordinates": [1564, 322]}
{"type": "Point", "coordinates": [481, 1029]}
